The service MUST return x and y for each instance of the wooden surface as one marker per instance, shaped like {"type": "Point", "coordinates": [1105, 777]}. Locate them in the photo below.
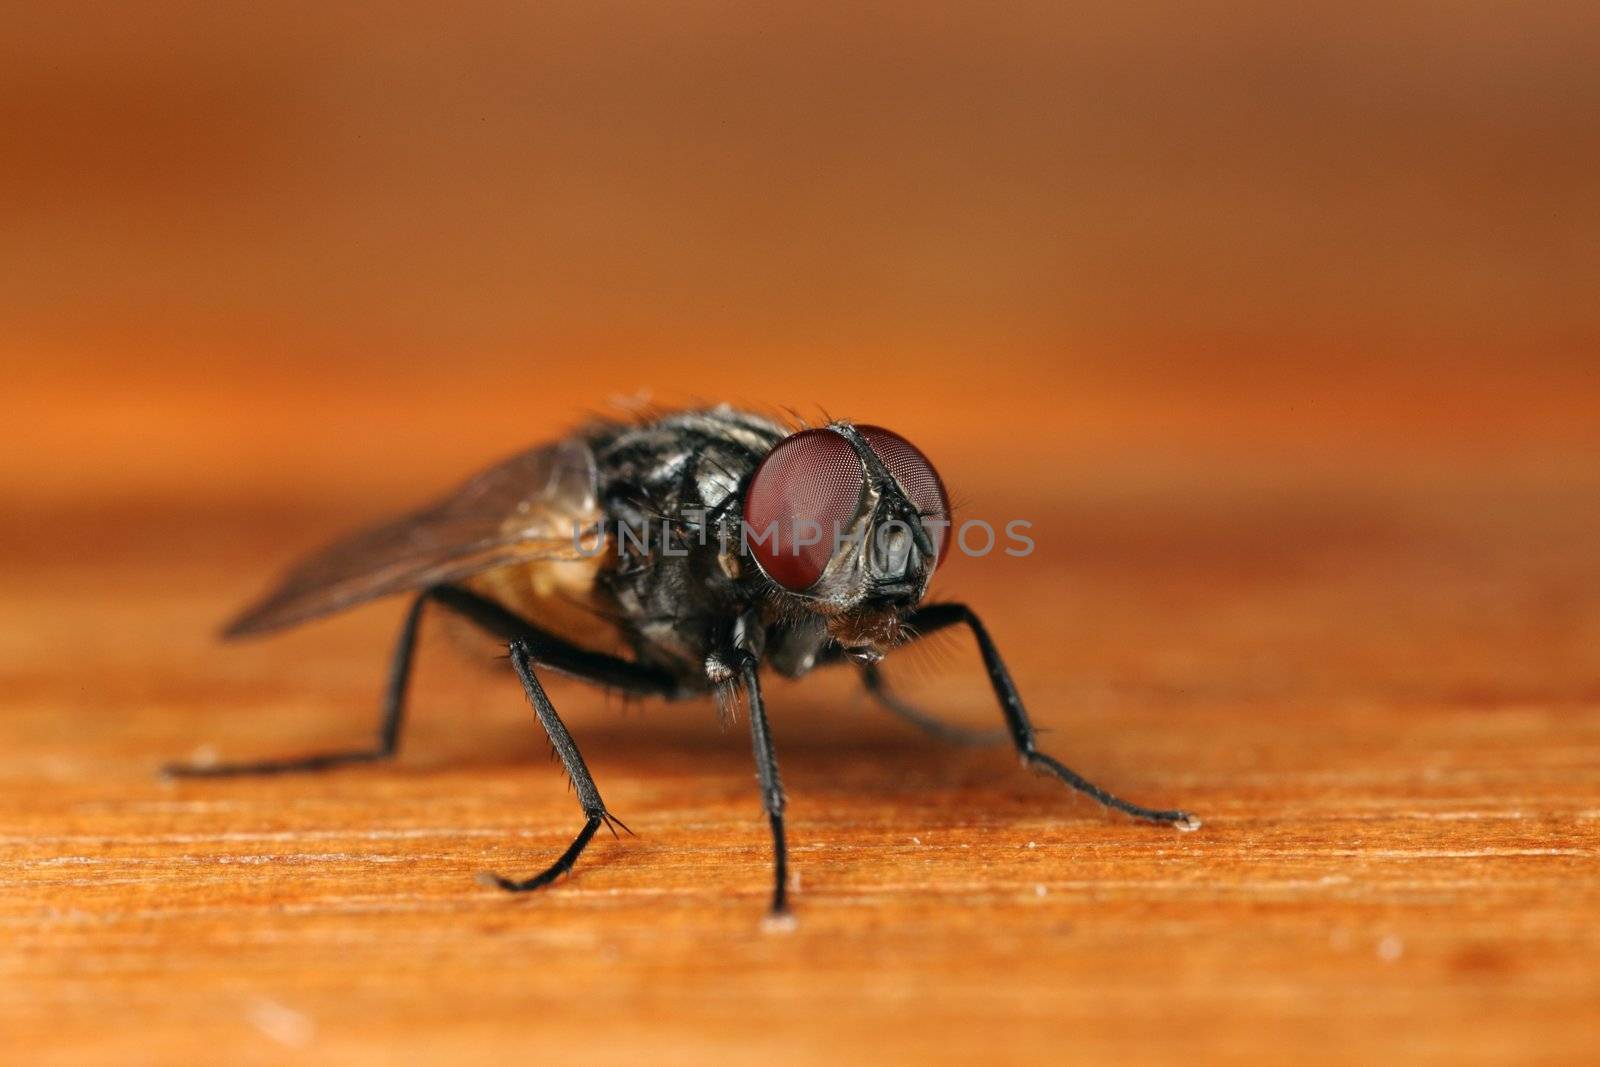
{"type": "Point", "coordinates": [1383, 699]}
{"type": "Point", "coordinates": [1279, 322]}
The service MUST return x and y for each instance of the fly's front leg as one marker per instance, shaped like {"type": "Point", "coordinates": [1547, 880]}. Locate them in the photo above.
{"type": "Point", "coordinates": [594, 809]}
{"type": "Point", "coordinates": [771, 786]}
{"type": "Point", "coordinates": [394, 706]}
{"type": "Point", "coordinates": [939, 616]}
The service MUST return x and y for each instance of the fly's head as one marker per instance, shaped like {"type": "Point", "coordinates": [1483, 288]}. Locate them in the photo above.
{"type": "Point", "coordinates": [848, 522]}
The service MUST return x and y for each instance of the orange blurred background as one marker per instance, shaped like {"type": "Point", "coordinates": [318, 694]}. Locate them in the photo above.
{"type": "Point", "coordinates": [1278, 319]}
{"type": "Point", "coordinates": [301, 253]}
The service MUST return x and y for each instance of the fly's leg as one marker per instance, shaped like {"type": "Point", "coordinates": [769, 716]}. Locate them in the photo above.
{"type": "Point", "coordinates": [598, 668]}
{"type": "Point", "coordinates": [394, 706]}
{"type": "Point", "coordinates": [878, 686]}
{"type": "Point", "coordinates": [528, 644]}
{"type": "Point", "coordinates": [594, 809]}
{"type": "Point", "coordinates": [771, 787]}
{"type": "Point", "coordinates": [937, 617]}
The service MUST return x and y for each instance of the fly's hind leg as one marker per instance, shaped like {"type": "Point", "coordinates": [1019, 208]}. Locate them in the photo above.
{"type": "Point", "coordinates": [546, 648]}
{"type": "Point", "coordinates": [394, 706]}
{"type": "Point", "coordinates": [594, 809]}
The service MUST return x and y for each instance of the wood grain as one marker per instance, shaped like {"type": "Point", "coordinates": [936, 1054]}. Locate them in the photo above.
{"type": "Point", "coordinates": [1279, 322]}
{"type": "Point", "coordinates": [1385, 703]}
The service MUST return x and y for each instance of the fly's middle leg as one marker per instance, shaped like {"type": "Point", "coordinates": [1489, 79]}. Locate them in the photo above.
{"type": "Point", "coordinates": [872, 678]}
{"type": "Point", "coordinates": [594, 809]}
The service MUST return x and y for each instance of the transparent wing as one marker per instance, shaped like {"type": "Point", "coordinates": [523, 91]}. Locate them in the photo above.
{"type": "Point", "coordinates": [525, 508]}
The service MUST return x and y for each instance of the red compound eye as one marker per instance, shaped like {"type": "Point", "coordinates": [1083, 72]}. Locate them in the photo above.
{"type": "Point", "coordinates": [808, 486]}
{"type": "Point", "coordinates": [918, 478]}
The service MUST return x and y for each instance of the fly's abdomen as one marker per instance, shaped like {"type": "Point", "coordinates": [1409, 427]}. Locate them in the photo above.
{"type": "Point", "coordinates": [566, 598]}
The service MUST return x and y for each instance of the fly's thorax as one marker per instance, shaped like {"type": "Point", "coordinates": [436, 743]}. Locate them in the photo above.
{"type": "Point", "coordinates": [667, 488]}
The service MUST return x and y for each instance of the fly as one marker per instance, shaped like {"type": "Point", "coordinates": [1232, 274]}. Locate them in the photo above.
{"type": "Point", "coordinates": [670, 557]}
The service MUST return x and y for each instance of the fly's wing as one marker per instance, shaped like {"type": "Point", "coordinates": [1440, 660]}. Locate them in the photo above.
{"type": "Point", "coordinates": [526, 508]}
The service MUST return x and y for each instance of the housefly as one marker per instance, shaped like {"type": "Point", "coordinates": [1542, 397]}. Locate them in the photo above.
{"type": "Point", "coordinates": [670, 556]}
